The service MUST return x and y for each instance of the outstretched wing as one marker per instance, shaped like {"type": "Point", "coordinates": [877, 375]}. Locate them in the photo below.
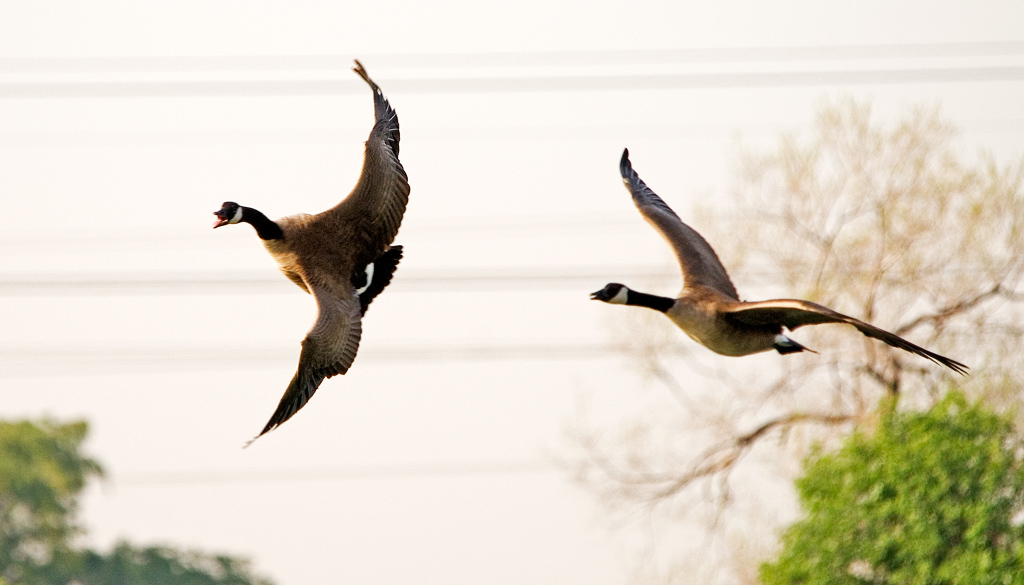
{"type": "Point", "coordinates": [377, 203]}
{"type": "Point", "coordinates": [698, 262]}
{"type": "Point", "coordinates": [328, 350]}
{"type": "Point", "coordinates": [793, 313]}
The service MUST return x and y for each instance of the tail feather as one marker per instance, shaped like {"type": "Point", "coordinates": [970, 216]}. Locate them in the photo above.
{"type": "Point", "coordinates": [785, 345]}
{"type": "Point", "coordinates": [383, 269]}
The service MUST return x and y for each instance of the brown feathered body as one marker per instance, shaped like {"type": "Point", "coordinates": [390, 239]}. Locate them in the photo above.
{"type": "Point", "coordinates": [708, 308]}
{"type": "Point", "coordinates": [329, 255]}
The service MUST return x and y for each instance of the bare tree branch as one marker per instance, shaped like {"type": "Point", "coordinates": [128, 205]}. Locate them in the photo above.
{"type": "Point", "coordinates": [958, 307]}
{"type": "Point", "coordinates": [717, 460]}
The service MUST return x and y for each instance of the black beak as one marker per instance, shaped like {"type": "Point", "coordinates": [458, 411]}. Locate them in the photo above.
{"type": "Point", "coordinates": [600, 295]}
{"type": "Point", "coordinates": [221, 220]}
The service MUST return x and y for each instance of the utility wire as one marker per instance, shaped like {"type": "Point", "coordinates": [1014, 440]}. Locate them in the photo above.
{"type": "Point", "coordinates": [510, 84]}
{"type": "Point", "coordinates": [165, 64]}
{"type": "Point", "coordinates": [28, 362]}
{"type": "Point", "coordinates": [391, 472]}
{"type": "Point", "coordinates": [269, 281]}
{"type": "Point", "coordinates": [584, 132]}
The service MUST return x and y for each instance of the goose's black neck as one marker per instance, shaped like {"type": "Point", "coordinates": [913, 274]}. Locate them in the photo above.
{"type": "Point", "coordinates": [639, 299]}
{"type": "Point", "coordinates": [266, 229]}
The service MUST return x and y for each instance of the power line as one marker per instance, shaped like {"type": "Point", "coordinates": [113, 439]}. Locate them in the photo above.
{"type": "Point", "coordinates": [22, 362]}
{"type": "Point", "coordinates": [174, 237]}
{"type": "Point", "coordinates": [307, 136]}
{"type": "Point", "coordinates": [510, 84]}
{"type": "Point", "coordinates": [271, 282]}
{"type": "Point", "coordinates": [165, 64]}
{"type": "Point", "coordinates": [392, 472]}
{"type": "Point", "coordinates": [186, 283]}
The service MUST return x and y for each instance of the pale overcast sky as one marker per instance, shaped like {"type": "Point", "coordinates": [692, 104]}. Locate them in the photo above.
{"type": "Point", "coordinates": [124, 125]}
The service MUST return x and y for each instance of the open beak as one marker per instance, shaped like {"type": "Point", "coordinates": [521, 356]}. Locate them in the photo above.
{"type": "Point", "coordinates": [600, 295]}
{"type": "Point", "coordinates": [221, 220]}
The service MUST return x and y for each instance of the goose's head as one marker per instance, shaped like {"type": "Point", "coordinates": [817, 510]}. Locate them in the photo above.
{"type": "Point", "coordinates": [230, 212]}
{"type": "Point", "coordinates": [612, 292]}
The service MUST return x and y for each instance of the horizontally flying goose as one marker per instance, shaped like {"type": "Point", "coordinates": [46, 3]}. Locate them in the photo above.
{"type": "Point", "coordinates": [708, 308]}
{"type": "Point", "coordinates": [341, 256]}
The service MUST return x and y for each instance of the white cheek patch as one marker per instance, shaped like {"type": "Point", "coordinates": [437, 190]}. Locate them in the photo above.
{"type": "Point", "coordinates": [237, 217]}
{"type": "Point", "coordinates": [369, 279]}
{"type": "Point", "coordinates": [620, 297]}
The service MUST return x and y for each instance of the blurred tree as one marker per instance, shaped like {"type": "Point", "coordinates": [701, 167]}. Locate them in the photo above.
{"type": "Point", "coordinates": [163, 566]}
{"type": "Point", "coordinates": [890, 225]}
{"type": "Point", "coordinates": [928, 498]}
{"type": "Point", "coordinates": [42, 472]}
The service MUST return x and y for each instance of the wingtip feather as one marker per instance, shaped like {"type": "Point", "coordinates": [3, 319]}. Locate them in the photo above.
{"type": "Point", "coordinates": [960, 368]}
{"type": "Point", "coordinates": [361, 71]}
{"type": "Point", "coordinates": [625, 167]}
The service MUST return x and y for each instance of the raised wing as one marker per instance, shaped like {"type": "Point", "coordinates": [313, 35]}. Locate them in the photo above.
{"type": "Point", "coordinates": [328, 350]}
{"type": "Point", "coordinates": [377, 203]}
{"type": "Point", "coordinates": [793, 313]}
{"type": "Point", "coordinates": [698, 262]}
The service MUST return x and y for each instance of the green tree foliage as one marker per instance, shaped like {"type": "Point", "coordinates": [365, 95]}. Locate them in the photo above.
{"type": "Point", "coordinates": [42, 472]}
{"type": "Point", "coordinates": [928, 498]}
{"type": "Point", "coordinates": [163, 566]}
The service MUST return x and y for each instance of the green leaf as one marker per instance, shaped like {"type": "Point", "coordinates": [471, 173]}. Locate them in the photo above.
{"type": "Point", "coordinates": [928, 498]}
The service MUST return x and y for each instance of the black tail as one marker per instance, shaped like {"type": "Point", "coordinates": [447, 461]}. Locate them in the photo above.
{"type": "Point", "coordinates": [785, 345]}
{"type": "Point", "coordinates": [383, 269]}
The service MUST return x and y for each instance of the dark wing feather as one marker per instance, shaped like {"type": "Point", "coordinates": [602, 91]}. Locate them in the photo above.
{"type": "Point", "coordinates": [377, 203]}
{"type": "Point", "coordinates": [382, 109]}
{"type": "Point", "coordinates": [698, 262]}
{"type": "Point", "coordinates": [383, 269]}
{"type": "Point", "coordinates": [793, 313]}
{"type": "Point", "coordinates": [328, 350]}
